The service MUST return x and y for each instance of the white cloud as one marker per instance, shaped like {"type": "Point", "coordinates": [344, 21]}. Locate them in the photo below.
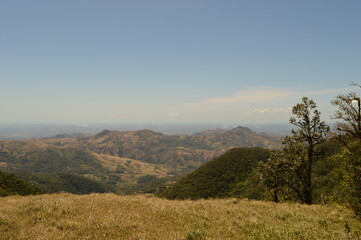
{"type": "Point", "coordinates": [269, 110]}
{"type": "Point", "coordinates": [173, 114]}
{"type": "Point", "coordinates": [263, 94]}
{"type": "Point", "coordinates": [251, 95]}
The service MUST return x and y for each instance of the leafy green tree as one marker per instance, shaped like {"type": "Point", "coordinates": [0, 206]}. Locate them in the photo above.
{"type": "Point", "coordinates": [293, 165]}
{"type": "Point", "coordinates": [350, 159]}
{"type": "Point", "coordinates": [273, 174]}
{"type": "Point", "coordinates": [349, 112]}
{"type": "Point", "coordinates": [310, 132]}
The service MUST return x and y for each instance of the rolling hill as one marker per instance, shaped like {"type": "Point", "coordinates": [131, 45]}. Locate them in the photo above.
{"type": "Point", "coordinates": [173, 150]}
{"type": "Point", "coordinates": [118, 158]}
{"type": "Point", "coordinates": [225, 176]}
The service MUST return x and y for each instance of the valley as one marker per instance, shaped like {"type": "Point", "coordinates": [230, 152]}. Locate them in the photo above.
{"type": "Point", "coordinates": [119, 159]}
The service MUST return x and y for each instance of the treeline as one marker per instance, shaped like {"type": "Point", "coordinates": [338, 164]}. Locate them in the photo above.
{"type": "Point", "coordinates": [64, 182]}
{"type": "Point", "coordinates": [315, 165]}
{"type": "Point", "coordinates": [12, 185]}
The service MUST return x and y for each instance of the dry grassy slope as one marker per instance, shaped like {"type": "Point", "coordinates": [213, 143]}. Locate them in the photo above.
{"type": "Point", "coordinates": [131, 168]}
{"type": "Point", "coordinates": [22, 147]}
{"type": "Point", "coordinates": [109, 216]}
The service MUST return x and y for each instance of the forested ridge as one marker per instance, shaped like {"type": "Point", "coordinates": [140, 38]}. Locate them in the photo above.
{"type": "Point", "coordinates": [316, 164]}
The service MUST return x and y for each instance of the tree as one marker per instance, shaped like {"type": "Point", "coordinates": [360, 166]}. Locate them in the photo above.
{"type": "Point", "coordinates": [301, 145]}
{"type": "Point", "coordinates": [350, 160]}
{"type": "Point", "coordinates": [349, 112]}
{"type": "Point", "coordinates": [273, 174]}
{"type": "Point", "coordinates": [293, 165]}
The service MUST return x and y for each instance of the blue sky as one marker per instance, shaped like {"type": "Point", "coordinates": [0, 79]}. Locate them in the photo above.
{"type": "Point", "coordinates": [86, 61]}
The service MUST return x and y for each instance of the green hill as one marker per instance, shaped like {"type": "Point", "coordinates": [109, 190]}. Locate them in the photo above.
{"type": "Point", "coordinates": [234, 174]}
{"type": "Point", "coordinates": [227, 175]}
{"type": "Point", "coordinates": [12, 185]}
{"type": "Point", "coordinates": [65, 182]}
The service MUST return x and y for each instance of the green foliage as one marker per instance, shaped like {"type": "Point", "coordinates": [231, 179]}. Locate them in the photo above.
{"type": "Point", "coordinates": [349, 112]}
{"type": "Point", "coordinates": [274, 174]}
{"type": "Point", "coordinates": [292, 167]}
{"type": "Point", "coordinates": [310, 129]}
{"type": "Point", "coordinates": [350, 159]}
{"type": "Point", "coordinates": [223, 176]}
{"type": "Point", "coordinates": [64, 182]}
{"type": "Point", "coordinates": [144, 184]}
{"type": "Point", "coordinates": [12, 185]}
{"type": "Point", "coordinates": [196, 235]}
{"type": "Point", "coordinates": [325, 172]}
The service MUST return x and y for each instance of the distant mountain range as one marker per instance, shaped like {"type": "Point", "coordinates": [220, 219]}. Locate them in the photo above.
{"type": "Point", "coordinates": [115, 157]}
{"type": "Point", "coordinates": [172, 150]}
{"type": "Point", "coordinates": [31, 131]}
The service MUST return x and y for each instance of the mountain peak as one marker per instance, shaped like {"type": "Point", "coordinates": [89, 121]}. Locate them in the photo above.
{"type": "Point", "coordinates": [103, 133]}
{"type": "Point", "coordinates": [240, 129]}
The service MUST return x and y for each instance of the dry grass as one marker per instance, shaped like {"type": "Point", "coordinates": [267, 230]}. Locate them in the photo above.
{"type": "Point", "coordinates": [132, 166]}
{"type": "Point", "coordinates": [109, 216]}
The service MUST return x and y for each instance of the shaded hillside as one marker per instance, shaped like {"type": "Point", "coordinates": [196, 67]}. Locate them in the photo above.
{"type": "Point", "coordinates": [12, 185]}
{"type": "Point", "coordinates": [225, 176]}
{"type": "Point", "coordinates": [64, 182]}
{"type": "Point", "coordinates": [108, 216]}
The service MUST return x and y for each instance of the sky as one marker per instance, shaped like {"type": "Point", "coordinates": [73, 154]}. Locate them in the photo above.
{"type": "Point", "coordinates": [188, 61]}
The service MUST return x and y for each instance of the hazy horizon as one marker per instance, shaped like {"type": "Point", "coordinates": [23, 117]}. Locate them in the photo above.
{"type": "Point", "coordinates": [174, 62]}
{"type": "Point", "coordinates": [34, 131]}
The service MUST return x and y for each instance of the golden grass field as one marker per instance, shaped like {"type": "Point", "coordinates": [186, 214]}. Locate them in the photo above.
{"type": "Point", "coordinates": [110, 216]}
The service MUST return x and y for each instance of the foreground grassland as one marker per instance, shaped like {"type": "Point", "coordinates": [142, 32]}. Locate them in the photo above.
{"type": "Point", "coordinates": [109, 216]}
